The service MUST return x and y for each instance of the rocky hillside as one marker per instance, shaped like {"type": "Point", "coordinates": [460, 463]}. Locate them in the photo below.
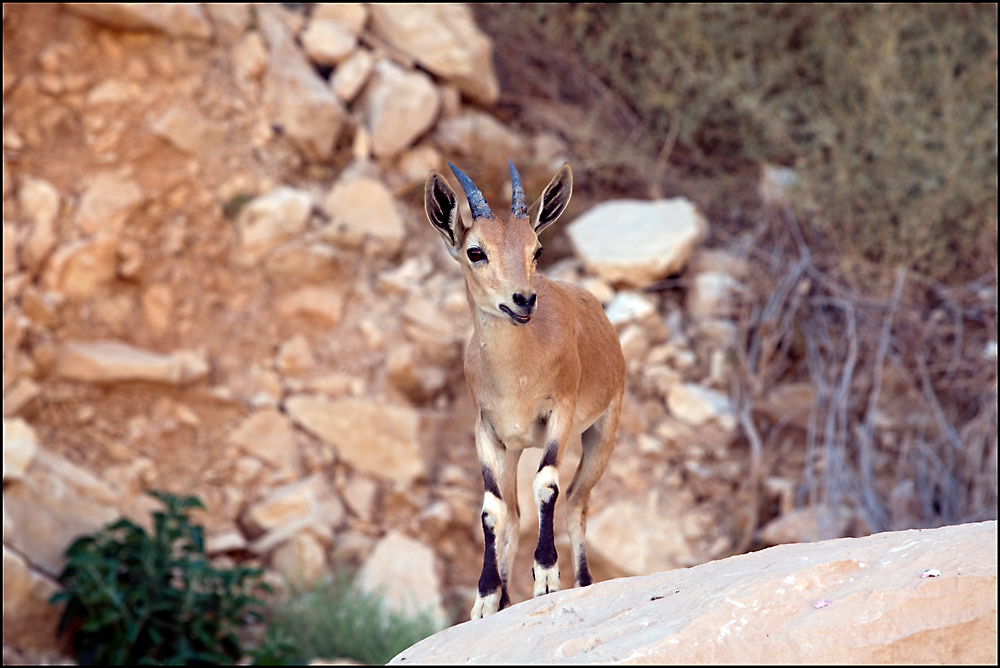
{"type": "Point", "coordinates": [219, 281]}
{"type": "Point", "coordinates": [925, 596]}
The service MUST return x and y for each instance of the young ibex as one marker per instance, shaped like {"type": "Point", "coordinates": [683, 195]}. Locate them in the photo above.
{"type": "Point", "coordinates": [543, 364]}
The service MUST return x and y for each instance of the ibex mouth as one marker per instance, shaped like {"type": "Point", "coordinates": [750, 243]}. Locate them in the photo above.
{"type": "Point", "coordinates": [514, 317]}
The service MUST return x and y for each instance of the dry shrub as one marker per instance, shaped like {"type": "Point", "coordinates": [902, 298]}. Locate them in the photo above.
{"type": "Point", "coordinates": [887, 112]}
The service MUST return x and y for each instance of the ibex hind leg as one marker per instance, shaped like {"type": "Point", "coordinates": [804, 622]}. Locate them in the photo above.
{"type": "Point", "coordinates": [598, 444]}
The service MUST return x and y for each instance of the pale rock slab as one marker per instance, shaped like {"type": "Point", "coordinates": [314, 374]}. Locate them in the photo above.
{"type": "Point", "coordinates": [445, 40]}
{"type": "Point", "coordinates": [300, 102]}
{"type": "Point", "coordinates": [107, 202]}
{"type": "Point", "coordinates": [324, 306]}
{"type": "Point", "coordinates": [113, 361]}
{"type": "Point", "coordinates": [177, 20]}
{"type": "Point", "coordinates": [377, 439]}
{"type": "Point", "coordinates": [308, 503]}
{"type": "Point", "coordinates": [476, 133]}
{"type": "Point", "coordinates": [188, 131]}
{"type": "Point", "coordinates": [400, 106]}
{"type": "Point", "coordinates": [39, 201]}
{"type": "Point", "coordinates": [760, 608]}
{"type": "Point", "coordinates": [230, 19]}
{"type": "Point", "coordinates": [249, 56]}
{"type": "Point", "coordinates": [805, 525]}
{"type": "Point", "coordinates": [272, 219]}
{"type": "Point", "coordinates": [295, 356]}
{"type": "Point", "coordinates": [710, 295]}
{"type": "Point", "coordinates": [302, 559]}
{"type": "Point", "coordinates": [29, 622]}
{"type": "Point", "coordinates": [363, 208]}
{"type": "Point", "coordinates": [268, 434]}
{"type": "Point", "coordinates": [351, 15]}
{"type": "Point", "coordinates": [20, 443]}
{"type": "Point", "coordinates": [404, 572]}
{"type": "Point", "coordinates": [697, 405]}
{"type": "Point", "coordinates": [300, 262]}
{"type": "Point", "coordinates": [636, 242]}
{"type": "Point", "coordinates": [628, 306]}
{"type": "Point", "coordinates": [636, 541]}
{"type": "Point", "coordinates": [79, 268]}
{"type": "Point", "coordinates": [54, 503]}
{"type": "Point", "coordinates": [327, 42]}
{"type": "Point", "coordinates": [352, 74]}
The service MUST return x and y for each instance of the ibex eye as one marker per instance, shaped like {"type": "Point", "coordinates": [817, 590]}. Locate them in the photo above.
{"type": "Point", "coordinates": [476, 254]}
{"type": "Point", "coordinates": [538, 253]}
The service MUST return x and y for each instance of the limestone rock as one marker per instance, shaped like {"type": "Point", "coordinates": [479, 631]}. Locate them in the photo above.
{"type": "Point", "coordinates": [300, 102]}
{"type": "Point", "coordinates": [400, 106]}
{"type": "Point", "coordinates": [302, 560]}
{"type": "Point", "coordinates": [230, 19]}
{"type": "Point", "coordinates": [50, 506]}
{"type": "Point", "coordinates": [79, 268]}
{"type": "Point", "coordinates": [322, 305]}
{"type": "Point", "coordinates": [627, 306]}
{"type": "Point", "coordinates": [19, 395]}
{"type": "Point", "coordinates": [636, 541]}
{"type": "Point", "coordinates": [107, 202]}
{"type": "Point", "coordinates": [352, 74]}
{"type": "Point", "coordinates": [805, 525]}
{"type": "Point", "coordinates": [761, 608]}
{"type": "Point", "coordinates": [272, 219]}
{"type": "Point", "coordinates": [190, 132]}
{"type": "Point", "coordinates": [351, 15]}
{"type": "Point", "coordinates": [250, 56]}
{"type": "Point", "coordinates": [404, 571]}
{"type": "Point", "coordinates": [327, 42]}
{"type": "Point", "coordinates": [20, 443]}
{"type": "Point", "coordinates": [268, 434]}
{"type": "Point", "coordinates": [698, 405]}
{"type": "Point", "coordinates": [300, 262]}
{"type": "Point", "coordinates": [445, 40]}
{"type": "Point", "coordinates": [113, 361]}
{"type": "Point", "coordinates": [476, 133]}
{"type": "Point", "coordinates": [295, 356]}
{"type": "Point", "coordinates": [635, 242]}
{"type": "Point", "coordinates": [307, 503]}
{"type": "Point", "coordinates": [376, 439]}
{"type": "Point", "coordinates": [363, 208]}
{"type": "Point", "coordinates": [29, 622]}
{"type": "Point", "coordinates": [710, 294]}
{"type": "Point", "coordinates": [178, 20]}
{"type": "Point", "coordinates": [39, 201]}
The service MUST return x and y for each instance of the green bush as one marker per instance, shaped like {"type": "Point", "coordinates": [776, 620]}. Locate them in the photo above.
{"type": "Point", "coordinates": [334, 620]}
{"type": "Point", "coordinates": [135, 598]}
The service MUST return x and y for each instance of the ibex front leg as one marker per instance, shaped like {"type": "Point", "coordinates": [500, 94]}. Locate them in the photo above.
{"type": "Point", "coordinates": [546, 489]}
{"type": "Point", "coordinates": [492, 595]}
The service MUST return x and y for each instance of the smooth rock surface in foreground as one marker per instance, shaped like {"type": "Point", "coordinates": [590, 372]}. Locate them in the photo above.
{"type": "Point", "coordinates": [761, 608]}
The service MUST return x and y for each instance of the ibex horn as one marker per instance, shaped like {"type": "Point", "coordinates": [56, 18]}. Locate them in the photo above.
{"type": "Point", "coordinates": [480, 209]}
{"type": "Point", "coordinates": [517, 205]}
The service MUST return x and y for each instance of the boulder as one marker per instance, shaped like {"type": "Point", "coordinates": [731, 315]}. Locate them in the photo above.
{"type": "Point", "coordinates": [321, 305]}
{"type": "Point", "coordinates": [400, 106]}
{"type": "Point", "coordinates": [272, 219]}
{"type": "Point", "coordinates": [327, 42]}
{"type": "Point", "coordinates": [351, 15]}
{"type": "Point", "coordinates": [306, 504]}
{"type": "Point", "coordinates": [363, 208]}
{"type": "Point", "coordinates": [710, 294]}
{"type": "Point", "coordinates": [445, 40]}
{"type": "Point", "coordinates": [698, 405]}
{"type": "Point", "coordinates": [29, 622]}
{"type": "Point", "coordinates": [188, 131]}
{"type": "Point", "coordinates": [846, 601]}
{"type": "Point", "coordinates": [633, 540]}
{"type": "Point", "coordinates": [79, 268]}
{"type": "Point", "coordinates": [381, 440]}
{"type": "Point", "coordinates": [636, 242]}
{"type": "Point", "coordinates": [39, 201]}
{"type": "Point", "coordinates": [268, 434]}
{"type": "Point", "coordinates": [351, 75]}
{"type": "Point", "coordinates": [302, 560]}
{"type": "Point", "coordinates": [107, 202]}
{"type": "Point", "coordinates": [51, 505]}
{"type": "Point", "coordinates": [299, 101]}
{"type": "Point", "coordinates": [177, 20]}
{"type": "Point", "coordinates": [20, 443]}
{"type": "Point", "coordinates": [404, 572]}
{"type": "Point", "coordinates": [479, 135]}
{"type": "Point", "coordinates": [113, 361]}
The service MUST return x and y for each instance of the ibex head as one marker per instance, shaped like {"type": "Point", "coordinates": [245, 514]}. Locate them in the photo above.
{"type": "Point", "coordinates": [498, 256]}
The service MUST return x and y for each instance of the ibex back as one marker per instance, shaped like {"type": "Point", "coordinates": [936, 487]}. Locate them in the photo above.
{"type": "Point", "coordinates": [543, 365]}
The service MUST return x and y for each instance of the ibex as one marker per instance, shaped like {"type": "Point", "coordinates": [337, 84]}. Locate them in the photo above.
{"type": "Point", "coordinates": [543, 365]}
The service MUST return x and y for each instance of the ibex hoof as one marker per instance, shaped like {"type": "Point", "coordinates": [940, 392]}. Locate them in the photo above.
{"type": "Point", "coordinates": [486, 605]}
{"type": "Point", "coordinates": [546, 579]}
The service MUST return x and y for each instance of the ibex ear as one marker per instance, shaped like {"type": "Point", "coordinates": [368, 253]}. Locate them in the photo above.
{"type": "Point", "coordinates": [441, 206]}
{"type": "Point", "coordinates": [553, 201]}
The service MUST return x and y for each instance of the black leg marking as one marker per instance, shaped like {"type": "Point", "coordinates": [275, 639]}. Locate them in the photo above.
{"type": "Point", "coordinates": [504, 599]}
{"type": "Point", "coordinates": [545, 552]}
{"type": "Point", "coordinates": [489, 581]}
{"type": "Point", "coordinates": [583, 577]}
{"type": "Point", "coordinates": [549, 458]}
{"type": "Point", "coordinates": [490, 483]}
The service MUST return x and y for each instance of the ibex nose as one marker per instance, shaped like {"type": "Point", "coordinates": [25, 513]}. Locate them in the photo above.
{"type": "Point", "coordinates": [525, 302]}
